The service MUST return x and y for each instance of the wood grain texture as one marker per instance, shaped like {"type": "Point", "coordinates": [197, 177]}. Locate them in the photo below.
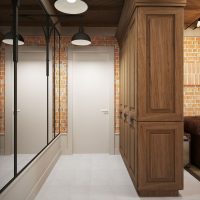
{"type": "Point", "coordinates": [122, 137]}
{"type": "Point", "coordinates": [1, 36]}
{"type": "Point", "coordinates": [152, 101]}
{"type": "Point", "coordinates": [104, 13]}
{"type": "Point", "coordinates": [130, 6]}
{"type": "Point", "coordinates": [160, 70]}
{"type": "Point", "coordinates": [122, 102]}
{"type": "Point", "coordinates": [160, 161]}
{"type": "Point", "coordinates": [192, 11]}
{"type": "Point", "coordinates": [132, 49]}
{"type": "Point", "coordinates": [133, 167]}
{"type": "Point", "coordinates": [160, 63]}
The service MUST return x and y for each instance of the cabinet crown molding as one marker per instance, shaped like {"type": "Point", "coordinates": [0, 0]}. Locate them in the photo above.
{"type": "Point", "coordinates": [159, 2]}
{"type": "Point", "coordinates": [131, 5]}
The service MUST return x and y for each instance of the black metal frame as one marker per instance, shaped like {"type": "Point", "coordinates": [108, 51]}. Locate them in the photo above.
{"type": "Point", "coordinates": [48, 29]}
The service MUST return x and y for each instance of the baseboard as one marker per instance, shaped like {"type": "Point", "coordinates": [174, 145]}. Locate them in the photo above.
{"type": "Point", "coordinates": [66, 144]}
{"type": "Point", "coordinates": [42, 179]}
{"type": "Point", "coordinates": [166, 193]}
{"type": "Point", "coordinates": [28, 183]}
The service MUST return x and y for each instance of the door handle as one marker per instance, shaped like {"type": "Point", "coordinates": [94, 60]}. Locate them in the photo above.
{"type": "Point", "coordinates": [18, 110]}
{"type": "Point", "coordinates": [105, 111]}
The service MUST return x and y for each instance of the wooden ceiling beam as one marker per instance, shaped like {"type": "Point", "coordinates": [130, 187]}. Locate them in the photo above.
{"type": "Point", "coordinates": [23, 23]}
{"type": "Point", "coordinates": [51, 11]}
{"type": "Point", "coordinates": [130, 5]}
{"type": "Point", "coordinates": [106, 8]}
{"type": "Point", "coordinates": [90, 24]}
{"type": "Point", "coordinates": [1, 37]}
{"type": "Point", "coordinates": [192, 12]}
{"type": "Point", "coordinates": [22, 7]}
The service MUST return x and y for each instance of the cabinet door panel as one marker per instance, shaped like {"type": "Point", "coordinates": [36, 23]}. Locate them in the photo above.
{"type": "Point", "coordinates": [122, 136]}
{"type": "Point", "coordinates": [132, 44]}
{"type": "Point", "coordinates": [133, 151]}
{"type": "Point", "coordinates": [160, 147]}
{"type": "Point", "coordinates": [160, 64]}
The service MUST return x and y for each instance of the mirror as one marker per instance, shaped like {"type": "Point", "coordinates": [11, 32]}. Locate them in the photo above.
{"type": "Point", "coordinates": [52, 86]}
{"type": "Point", "coordinates": [32, 84]}
{"type": "Point", "coordinates": [6, 102]}
{"type": "Point", "coordinates": [38, 95]}
{"type": "Point", "coordinates": [57, 85]}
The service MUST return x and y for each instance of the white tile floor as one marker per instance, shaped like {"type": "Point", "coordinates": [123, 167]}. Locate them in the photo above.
{"type": "Point", "coordinates": [99, 177]}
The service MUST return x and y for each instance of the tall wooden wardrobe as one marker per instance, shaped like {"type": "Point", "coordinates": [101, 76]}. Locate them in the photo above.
{"type": "Point", "coordinates": [151, 95]}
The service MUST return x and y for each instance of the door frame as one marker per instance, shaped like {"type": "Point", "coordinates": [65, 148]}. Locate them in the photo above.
{"type": "Point", "coordinates": [100, 49]}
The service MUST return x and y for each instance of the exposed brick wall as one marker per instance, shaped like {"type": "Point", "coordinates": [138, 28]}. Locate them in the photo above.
{"type": "Point", "coordinates": [191, 76]}
{"type": "Point", "coordinates": [65, 42]}
{"type": "Point", "coordinates": [191, 100]}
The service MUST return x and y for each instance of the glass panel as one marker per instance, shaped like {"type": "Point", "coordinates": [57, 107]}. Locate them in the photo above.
{"type": "Point", "coordinates": [51, 86]}
{"type": "Point", "coordinates": [57, 85]}
{"type": "Point", "coordinates": [6, 97]}
{"type": "Point", "coordinates": [32, 85]}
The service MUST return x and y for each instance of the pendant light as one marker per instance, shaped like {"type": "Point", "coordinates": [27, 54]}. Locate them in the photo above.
{"type": "Point", "coordinates": [81, 38]}
{"type": "Point", "coordinates": [71, 6]}
{"type": "Point", "coordinates": [8, 39]}
{"type": "Point", "coordinates": [198, 23]}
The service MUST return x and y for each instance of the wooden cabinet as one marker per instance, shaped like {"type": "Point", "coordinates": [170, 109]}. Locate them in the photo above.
{"type": "Point", "coordinates": [133, 151]}
{"type": "Point", "coordinates": [151, 99]}
{"type": "Point", "coordinates": [160, 66]}
{"type": "Point", "coordinates": [160, 158]}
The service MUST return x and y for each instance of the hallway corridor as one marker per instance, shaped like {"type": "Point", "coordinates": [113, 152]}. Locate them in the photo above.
{"type": "Point", "coordinates": [99, 177]}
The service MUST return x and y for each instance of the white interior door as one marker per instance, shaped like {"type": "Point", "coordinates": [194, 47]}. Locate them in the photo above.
{"type": "Point", "coordinates": [92, 84]}
{"type": "Point", "coordinates": [32, 100]}
{"type": "Point", "coordinates": [32, 97]}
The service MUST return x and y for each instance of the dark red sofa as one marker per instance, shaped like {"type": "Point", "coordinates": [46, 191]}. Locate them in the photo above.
{"type": "Point", "coordinates": [192, 126]}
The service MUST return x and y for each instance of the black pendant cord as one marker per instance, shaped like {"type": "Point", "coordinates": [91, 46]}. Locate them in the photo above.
{"type": "Point", "coordinates": [47, 33]}
{"type": "Point", "coordinates": [15, 4]}
{"type": "Point", "coordinates": [59, 84]}
{"type": "Point", "coordinates": [54, 84]}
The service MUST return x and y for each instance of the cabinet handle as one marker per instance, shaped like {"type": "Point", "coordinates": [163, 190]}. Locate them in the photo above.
{"type": "Point", "coordinates": [130, 121]}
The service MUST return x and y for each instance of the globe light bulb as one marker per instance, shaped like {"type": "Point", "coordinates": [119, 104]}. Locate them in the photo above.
{"type": "Point", "coordinates": [198, 24]}
{"type": "Point", "coordinates": [71, 1]}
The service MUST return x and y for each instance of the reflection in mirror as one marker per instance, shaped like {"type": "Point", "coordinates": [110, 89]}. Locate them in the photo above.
{"type": "Point", "coordinates": [31, 87]}
{"type": "Point", "coordinates": [32, 103]}
{"type": "Point", "coordinates": [52, 86]}
{"type": "Point", "coordinates": [38, 97]}
{"type": "Point", "coordinates": [57, 84]}
{"type": "Point", "coordinates": [6, 102]}
{"type": "Point", "coordinates": [6, 115]}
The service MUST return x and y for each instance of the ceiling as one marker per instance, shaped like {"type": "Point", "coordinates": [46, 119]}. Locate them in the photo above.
{"type": "Point", "coordinates": [192, 12]}
{"type": "Point", "coordinates": [30, 13]}
{"type": "Point", "coordinates": [101, 13]}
